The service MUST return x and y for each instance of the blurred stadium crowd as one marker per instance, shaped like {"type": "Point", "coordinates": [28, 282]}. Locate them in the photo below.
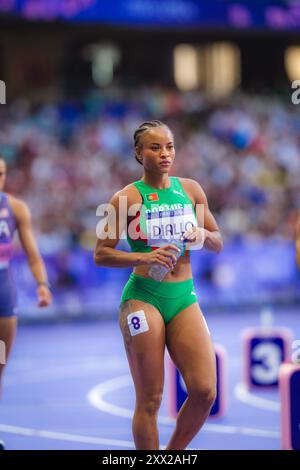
{"type": "Point", "coordinates": [66, 158]}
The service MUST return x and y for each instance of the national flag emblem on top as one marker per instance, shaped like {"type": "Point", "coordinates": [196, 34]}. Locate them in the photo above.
{"type": "Point", "coordinates": [152, 197]}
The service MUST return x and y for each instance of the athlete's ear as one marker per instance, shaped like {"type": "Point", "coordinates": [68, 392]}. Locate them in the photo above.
{"type": "Point", "coordinates": [138, 154]}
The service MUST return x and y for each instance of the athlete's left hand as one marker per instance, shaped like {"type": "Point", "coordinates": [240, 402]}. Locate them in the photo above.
{"type": "Point", "coordinates": [195, 238]}
{"type": "Point", "coordinates": [44, 296]}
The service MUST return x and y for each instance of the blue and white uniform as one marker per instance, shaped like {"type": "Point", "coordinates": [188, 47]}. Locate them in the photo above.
{"type": "Point", "coordinates": [8, 226]}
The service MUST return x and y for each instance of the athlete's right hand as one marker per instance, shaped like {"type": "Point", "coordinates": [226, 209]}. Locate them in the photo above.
{"type": "Point", "coordinates": [44, 296]}
{"type": "Point", "coordinates": [162, 256]}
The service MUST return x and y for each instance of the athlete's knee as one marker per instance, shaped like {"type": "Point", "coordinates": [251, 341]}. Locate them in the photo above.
{"type": "Point", "coordinates": [150, 401]}
{"type": "Point", "coordinates": [203, 394]}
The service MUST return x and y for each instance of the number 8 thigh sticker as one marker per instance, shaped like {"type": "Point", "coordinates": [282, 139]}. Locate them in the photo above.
{"type": "Point", "coordinates": [137, 322]}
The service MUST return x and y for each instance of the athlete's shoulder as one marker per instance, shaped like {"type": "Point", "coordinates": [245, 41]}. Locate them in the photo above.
{"type": "Point", "coordinates": [190, 183]}
{"type": "Point", "coordinates": [130, 191]}
{"type": "Point", "coordinates": [19, 207]}
{"type": "Point", "coordinates": [194, 188]}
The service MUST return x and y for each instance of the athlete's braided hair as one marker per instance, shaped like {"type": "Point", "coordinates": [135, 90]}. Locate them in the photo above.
{"type": "Point", "coordinates": [146, 126]}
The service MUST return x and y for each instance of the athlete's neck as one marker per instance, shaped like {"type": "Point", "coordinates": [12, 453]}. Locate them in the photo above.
{"type": "Point", "coordinates": [157, 181]}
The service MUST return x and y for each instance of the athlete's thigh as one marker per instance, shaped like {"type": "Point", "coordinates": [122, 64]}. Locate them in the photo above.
{"type": "Point", "coordinates": [145, 350]}
{"type": "Point", "coordinates": [190, 346]}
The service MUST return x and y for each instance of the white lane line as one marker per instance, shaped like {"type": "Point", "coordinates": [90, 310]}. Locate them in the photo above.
{"type": "Point", "coordinates": [96, 394]}
{"type": "Point", "coordinates": [62, 436]}
{"type": "Point", "coordinates": [96, 398]}
{"type": "Point", "coordinates": [245, 431]}
{"type": "Point", "coordinates": [247, 397]}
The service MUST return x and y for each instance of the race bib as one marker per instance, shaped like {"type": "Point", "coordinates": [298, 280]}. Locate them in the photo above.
{"type": "Point", "coordinates": [167, 224]}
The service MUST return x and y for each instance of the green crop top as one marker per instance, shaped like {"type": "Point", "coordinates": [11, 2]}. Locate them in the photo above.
{"type": "Point", "coordinates": [165, 214]}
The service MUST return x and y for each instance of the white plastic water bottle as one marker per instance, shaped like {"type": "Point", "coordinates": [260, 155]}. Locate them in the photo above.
{"type": "Point", "coordinates": [157, 271]}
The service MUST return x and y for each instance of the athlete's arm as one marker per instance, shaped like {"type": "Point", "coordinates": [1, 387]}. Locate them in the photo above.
{"type": "Point", "coordinates": [35, 262]}
{"type": "Point", "coordinates": [108, 236]}
{"type": "Point", "coordinates": [212, 236]}
{"type": "Point", "coordinates": [298, 243]}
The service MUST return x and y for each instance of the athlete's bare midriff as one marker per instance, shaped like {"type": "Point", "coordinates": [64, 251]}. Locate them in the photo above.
{"type": "Point", "coordinates": [181, 272]}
